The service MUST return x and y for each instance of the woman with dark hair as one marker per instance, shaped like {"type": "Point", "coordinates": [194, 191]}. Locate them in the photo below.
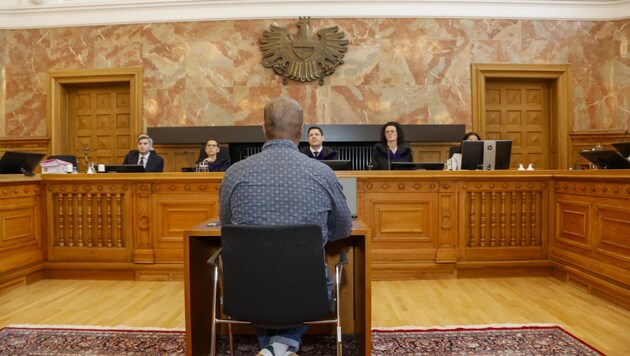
{"type": "Point", "coordinates": [471, 136]}
{"type": "Point", "coordinates": [392, 147]}
{"type": "Point", "coordinates": [209, 160]}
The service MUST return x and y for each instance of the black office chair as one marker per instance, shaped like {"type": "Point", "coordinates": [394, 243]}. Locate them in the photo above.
{"type": "Point", "coordinates": [273, 277]}
{"type": "Point", "coordinates": [67, 158]}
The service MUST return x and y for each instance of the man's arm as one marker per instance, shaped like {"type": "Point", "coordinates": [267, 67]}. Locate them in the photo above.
{"type": "Point", "coordinates": [339, 219]}
{"type": "Point", "coordinates": [127, 158]}
{"type": "Point", "coordinates": [225, 214]}
{"type": "Point", "coordinates": [160, 164]}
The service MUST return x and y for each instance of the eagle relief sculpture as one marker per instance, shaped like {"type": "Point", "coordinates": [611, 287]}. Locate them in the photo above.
{"type": "Point", "coordinates": [303, 59]}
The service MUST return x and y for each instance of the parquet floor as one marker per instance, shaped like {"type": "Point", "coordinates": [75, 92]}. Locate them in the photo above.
{"type": "Point", "coordinates": [423, 303]}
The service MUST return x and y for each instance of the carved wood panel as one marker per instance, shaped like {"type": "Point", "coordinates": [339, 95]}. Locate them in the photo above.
{"type": "Point", "coordinates": [504, 221]}
{"type": "Point", "coordinates": [90, 222]}
{"type": "Point", "coordinates": [20, 227]}
{"type": "Point", "coordinates": [573, 223]}
{"type": "Point", "coordinates": [176, 207]}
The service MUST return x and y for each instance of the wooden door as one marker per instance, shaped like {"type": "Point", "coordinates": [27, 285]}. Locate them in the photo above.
{"type": "Point", "coordinates": [99, 120]}
{"type": "Point", "coordinates": [519, 111]}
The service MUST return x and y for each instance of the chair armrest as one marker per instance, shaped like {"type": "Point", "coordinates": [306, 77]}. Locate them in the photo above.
{"type": "Point", "coordinates": [343, 258]}
{"type": "Point", "coordinates": [212, 261]}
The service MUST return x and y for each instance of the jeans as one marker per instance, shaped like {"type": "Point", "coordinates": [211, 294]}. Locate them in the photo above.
{"type": "Point", "coordinates": [291, 337]}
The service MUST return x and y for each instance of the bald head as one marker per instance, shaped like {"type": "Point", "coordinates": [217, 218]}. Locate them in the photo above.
{"type": "Point", "coordinates": [284, 119]}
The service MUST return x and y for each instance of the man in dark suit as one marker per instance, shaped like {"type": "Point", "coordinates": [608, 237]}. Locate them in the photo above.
{"type": "Point", "coordinates": [315, 148]}
{"type": "Point", "coordinates": [145, 156]}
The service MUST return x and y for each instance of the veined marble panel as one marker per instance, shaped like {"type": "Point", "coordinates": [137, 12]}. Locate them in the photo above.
{"type": "Point", "coordinates": [412, 70]}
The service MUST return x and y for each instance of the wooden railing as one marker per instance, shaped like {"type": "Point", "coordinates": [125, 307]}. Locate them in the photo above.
{"type": "Point", "coordinates": [88, 219]}
{"type": "Point", "coordinates": [509, 217]}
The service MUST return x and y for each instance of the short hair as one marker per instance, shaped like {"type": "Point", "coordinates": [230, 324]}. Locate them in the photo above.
{"type": "Point", "coordinates": [321, 132]}
{"type": "Point", "coordinates": [466, 136]}
{"type": "Point", "coordinates": [399, 131]}
{"type": "Point", "coordinates": [145, 136]}
{"type": "Point", "coordinates": [215, 140]}
{"type": "Point", "coordinates": [284, 117]}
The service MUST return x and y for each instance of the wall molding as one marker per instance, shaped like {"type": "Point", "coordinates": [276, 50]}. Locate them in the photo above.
{"type": "Point", "coordinates": [20, 14]}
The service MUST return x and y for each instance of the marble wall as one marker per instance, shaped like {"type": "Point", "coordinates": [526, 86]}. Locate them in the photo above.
{"type": "Point", "coordinates": [411, 70]}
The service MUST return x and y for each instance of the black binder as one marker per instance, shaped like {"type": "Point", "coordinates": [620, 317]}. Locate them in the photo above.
{"type": "Point", "coordinates": [606, 159]}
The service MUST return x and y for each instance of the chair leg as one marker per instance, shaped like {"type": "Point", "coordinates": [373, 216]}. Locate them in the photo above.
{"type": "Point", "coordinates": [338, 271]}
{"type": "Point", "coordinates": [213, 336]}
{"type": "Point", "coordinates": [231, 340]}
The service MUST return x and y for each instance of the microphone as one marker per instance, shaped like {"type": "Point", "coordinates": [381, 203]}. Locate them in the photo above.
{"type": "Point", "coordinates": [389, 164]}
{"type": "Point", "coordinates": [575, 166]}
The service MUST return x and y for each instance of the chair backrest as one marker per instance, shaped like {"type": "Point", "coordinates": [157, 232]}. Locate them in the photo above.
{"type": "Point", "coordinates": [67, 158]}
{"type": "Point", "coordinates": [224, 153]}
{"type": "Point", "coordinates": [274, 275]}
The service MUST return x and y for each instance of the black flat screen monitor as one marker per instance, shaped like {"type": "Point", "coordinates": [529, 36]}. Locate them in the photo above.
{"type": "Point", "coordinates": [420, 166]}
{"type": "Point", "coordinates": [454, 150]}
{"type": "Point", "coordinates": [606, 159]}
{"type": "Point", "coordinates": [19, 162]}
{"type": "Point", "coordinates": [124, 168]}
{"type": "Point", "coordinates": [338, 164]}
{"type": "Point", "coordinates": [623, 148]}
{"type": "Point", "coordinates": [486, 154]}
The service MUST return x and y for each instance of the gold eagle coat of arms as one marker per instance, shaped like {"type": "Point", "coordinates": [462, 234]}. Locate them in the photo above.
{"type": "Point", "coordinates": [303, 59]}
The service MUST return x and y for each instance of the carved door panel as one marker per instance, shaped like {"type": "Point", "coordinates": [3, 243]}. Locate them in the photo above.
{"type": "Point", "coordinates": [99, 119]}
{"type": "Point", "coordinates": [519, 111]}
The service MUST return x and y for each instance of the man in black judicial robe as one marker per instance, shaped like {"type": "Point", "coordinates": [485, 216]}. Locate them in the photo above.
{"type": "Point", "coordinates": [315, 149]}
{"type": "Point", "coordinates": [145, 156]}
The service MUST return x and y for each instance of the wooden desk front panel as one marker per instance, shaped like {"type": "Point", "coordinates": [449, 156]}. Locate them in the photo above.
{"type": "Point", "coordinates": [403, 216]}
{"type": "Point", "coordinates": [133, 220]}
{"type": "Point", "coordinates": [20, 232]}
{"type": "Point", "coordinates": [201, 242]}
{"type": "Point", "coordinates": [591, 241]}
{"type": "Point", "coordinates": [177, 207]}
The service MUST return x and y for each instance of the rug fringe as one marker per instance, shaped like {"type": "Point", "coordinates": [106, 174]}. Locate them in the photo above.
{"type": "Point", "coordinates": [93, 327]}
{"type": "Point", "coordinates": [450, 327]}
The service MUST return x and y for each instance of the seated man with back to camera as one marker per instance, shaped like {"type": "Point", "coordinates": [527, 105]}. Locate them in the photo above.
{"type": "Point", "coordinates": [281, 186]}
{"type": "Point", "coordinates": [145, 155]}
{"type": "Point", "coordinates": [315, 149]}
{"type": "Point", "coordinates": [210, 158]}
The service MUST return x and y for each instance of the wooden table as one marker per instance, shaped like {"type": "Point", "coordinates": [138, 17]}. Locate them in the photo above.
{"type": "Point", "coordinates": [202, 241]}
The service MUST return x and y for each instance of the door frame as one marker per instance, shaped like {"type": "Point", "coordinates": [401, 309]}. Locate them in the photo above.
{"type": "Point", "coordinates": [57, 99]}
{"type": "Point", "coordinates": [560, 102]}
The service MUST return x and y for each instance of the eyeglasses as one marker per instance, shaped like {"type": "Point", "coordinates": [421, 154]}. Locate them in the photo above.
{"type": "Point", "coordinates": [211, 145]}
{"type": "Point", "coordinates": [390, 131]}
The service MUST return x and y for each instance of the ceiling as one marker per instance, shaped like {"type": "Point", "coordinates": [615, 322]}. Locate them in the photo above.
{"type": "Point", "coordinates": [16, 14]}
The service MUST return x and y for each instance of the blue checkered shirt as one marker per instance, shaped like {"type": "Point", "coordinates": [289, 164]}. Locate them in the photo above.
{"type": "Point", "coordinates": [280, 185]}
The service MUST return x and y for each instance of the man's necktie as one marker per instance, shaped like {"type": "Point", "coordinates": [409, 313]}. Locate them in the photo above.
{"type": "Point", "coordinates": [142, 161]}
{"type": "Point", "coordinates": [315, 153]}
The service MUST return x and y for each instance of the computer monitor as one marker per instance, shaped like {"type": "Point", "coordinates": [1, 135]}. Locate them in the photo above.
{"type": "Point", "coordinates": [19, 162]}
{"type": "Point", "coordinates": [623, 148]}
{"type": "Point", "coordinates": [420, 166]}
{"type": "Point", "coordinates": [124, 168]}
{"type": "Point", "coordinates": [349, 185]}
{"type": "Point", "coordinates": [338, 164]}
{"type": "Point", "coordinates": [606, 159]}
{"type": "Point", "coordinates": [486, 154]}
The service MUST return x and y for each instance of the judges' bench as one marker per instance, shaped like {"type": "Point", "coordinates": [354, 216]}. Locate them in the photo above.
{"type": "Point", "coordinates": [431, 224]}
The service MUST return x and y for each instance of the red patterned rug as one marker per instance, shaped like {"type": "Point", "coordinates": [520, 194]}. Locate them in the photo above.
{"type": "Point", "coordinates": [525, 340]}
{"type": "Point", "coordinates": [483, 340]}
